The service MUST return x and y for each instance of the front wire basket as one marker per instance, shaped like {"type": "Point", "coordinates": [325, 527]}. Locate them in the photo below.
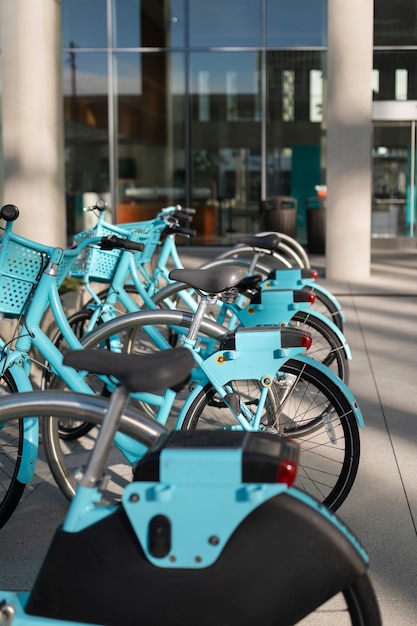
{"type": "Point", "coordinates": [94, 264]}
{"type": "Point", "coordinates": [22, 262]}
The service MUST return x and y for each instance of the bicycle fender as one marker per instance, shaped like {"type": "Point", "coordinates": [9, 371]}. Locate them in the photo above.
{"type": "Point", "coordinates": [294, 557]}
{"type": "Point", "coordinates": [339, 383]}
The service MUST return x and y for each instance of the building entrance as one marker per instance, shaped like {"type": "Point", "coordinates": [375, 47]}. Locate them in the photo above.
{"type": "Point", "coordinates": [394, 171]}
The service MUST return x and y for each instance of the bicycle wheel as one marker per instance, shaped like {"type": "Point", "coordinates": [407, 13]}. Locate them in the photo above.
{"type": "Point", "coordinates": [326, 345]}
{"type": "Point", "coordinates": [130, 330]}
{"type": "Point", "coordinates": [62, 405]}
{"type": "Point", "coordinates": [11, 448]}
{"type": "Point", "coordinates": [303, 404]}
{"type": "Point", "coordinates": [355, 606]}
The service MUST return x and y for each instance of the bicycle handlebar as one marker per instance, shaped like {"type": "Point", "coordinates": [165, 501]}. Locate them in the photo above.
{"type": "Point", "coordinates": [112, 242]}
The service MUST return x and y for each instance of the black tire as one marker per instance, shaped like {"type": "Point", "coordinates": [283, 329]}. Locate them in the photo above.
{"type": "Point", "coordinates": [11, 448]}
{"type": "Point", "coordinates": [362, 603]}
{"type": "Point", "coordinates": [326, 306]}
{"type": "Point", "coordinates": [305, 405]}
{"type": "Point", "coordinates": [326, 347]}
{"type": "Point", "coordinates": [355, 606]}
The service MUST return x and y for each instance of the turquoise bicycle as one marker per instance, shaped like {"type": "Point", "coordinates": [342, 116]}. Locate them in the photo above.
{"type": "Point", "coordinates": [213, 513]}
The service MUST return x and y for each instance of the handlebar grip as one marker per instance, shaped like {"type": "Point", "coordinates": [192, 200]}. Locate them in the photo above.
{"type": "Point", "coordinates": [186, 232]}
{"type": "Point", "coordinates": [182, 217]}
{"type": "Point", "coordinates": [172, 229]}
{"type": "Point", "coordinates": [187, 210]}
{"type": "Point", "coordinates": [100, 205]}
{"type": "Point", "coordinates": [126, 244]}
{"type": "Point", "coordinates": [9, 213]}
{"type": "Point", "coordinates": [113, 242]}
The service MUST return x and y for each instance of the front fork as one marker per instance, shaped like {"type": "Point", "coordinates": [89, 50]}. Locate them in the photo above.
{"type": "Point", "coordinates": [18, 368]}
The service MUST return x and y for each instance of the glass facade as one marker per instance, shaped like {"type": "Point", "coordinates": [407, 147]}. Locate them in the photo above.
{"type": "Point", "coordinates": [166, 102]}
{"type": "Point", "coordinates": [394, 86]}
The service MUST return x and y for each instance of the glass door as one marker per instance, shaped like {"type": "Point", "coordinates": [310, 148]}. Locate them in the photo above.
{"type": "Point", "coordinates": [394, 176]}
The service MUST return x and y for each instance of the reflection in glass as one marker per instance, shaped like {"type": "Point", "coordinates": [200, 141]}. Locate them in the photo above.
{"type": "Point", "coordinates": [149, 91]}
{"type": "Point", "coordinates": [397, 72]}
{"type": "Point", "coordinates": [288, 79]}
{"type": "Point", "coordinates": [296, 23]}
{"type": "Point", "coordinates": [395, 23]}
{"type": "Point", "coordinates": [393, 194]}
{"type": "Point", "coordinates": [295, 85]}
{"type": "Point", "coordinates": [229, 82]}
{"type": "Point", "coordinates": [226, 138]}
{"type": "Point", "coordinates": [200, 140]}
{"type": "Point", "coordinates": [293, 131]}
{"type": "Point", "coordinates": [375, 82]}
{"type": "Point", "coordinates": [149, 23]}
{"type": "Point", "coordinates": [401, 84]}
{"type": "Point", "coordinates": [219, 23]}
{"type": "Point", "coordinates": [316, 96]}
{"type": "Point", "coordinates": [84, 24]}
{"type": "Point", "coordinates": [86, 132]}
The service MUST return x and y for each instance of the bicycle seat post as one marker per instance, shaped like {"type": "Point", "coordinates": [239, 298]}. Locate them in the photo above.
{"type": "Point", "coordinates": [254, 262]}
{"type": "Point", "coordinates": [96, 465]}
{"type": "Point", "coordinates": [205, 302]}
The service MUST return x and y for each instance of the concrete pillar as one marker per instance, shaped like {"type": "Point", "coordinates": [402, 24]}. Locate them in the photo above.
{"type": "Point", "coordinates": [349, 139]}
{"type": "Point", "coordinates": [32, 117]}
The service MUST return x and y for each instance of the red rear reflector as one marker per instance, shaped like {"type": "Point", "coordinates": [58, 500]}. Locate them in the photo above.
{"type": "Point", "coordinates": [314, 274]}
{"type": "Point", "coordinates": [311, 298]}
{"type": "Point", "coordinates": [287, 472]}
{"type": "Point", "coordinates": [306, 341]}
